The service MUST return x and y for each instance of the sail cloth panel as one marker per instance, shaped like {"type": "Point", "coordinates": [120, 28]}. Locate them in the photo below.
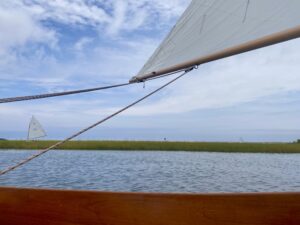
{"type": "Point", "coordinates": [211, 26]}
{"type": "Point", "coordinates": [35, 129]}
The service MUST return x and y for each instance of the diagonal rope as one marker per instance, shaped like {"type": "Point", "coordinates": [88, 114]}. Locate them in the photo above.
{"type": "Point", "coordinates": [92, 126]}
{"type": "Point", "coordinates": [57, 94]}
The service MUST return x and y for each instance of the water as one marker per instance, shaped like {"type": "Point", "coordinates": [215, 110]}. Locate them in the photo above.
{"type": "Point", "coordinates": [155, 171]}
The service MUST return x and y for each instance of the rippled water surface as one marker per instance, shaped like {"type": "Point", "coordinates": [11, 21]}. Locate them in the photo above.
{"type": "Point", "coordinates": [155, 171]}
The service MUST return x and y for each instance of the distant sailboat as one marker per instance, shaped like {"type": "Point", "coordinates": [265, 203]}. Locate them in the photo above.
{"type": "Point", "coordinates": [35, 130]}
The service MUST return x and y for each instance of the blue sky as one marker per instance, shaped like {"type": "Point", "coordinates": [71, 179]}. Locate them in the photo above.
{"type": "Point", "coordinates": [48, 46]}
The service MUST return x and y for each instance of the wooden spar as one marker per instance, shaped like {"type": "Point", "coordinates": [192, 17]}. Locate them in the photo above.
{"type": "Point", "coordinates": [43, 207]}
{"type": "Point", "coordinates": [249, 46]}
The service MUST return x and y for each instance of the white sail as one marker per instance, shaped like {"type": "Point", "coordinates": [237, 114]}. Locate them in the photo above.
{"type": "Point", "coordinates": [35, 129]}
{"type": "Point", "coordinates": [209, 27]}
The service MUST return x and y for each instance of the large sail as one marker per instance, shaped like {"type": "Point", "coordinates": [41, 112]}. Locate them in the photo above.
{"type": "Point", "coordinates": [213, 29]}
{"type": "Point", "coordinates": [35, 129]}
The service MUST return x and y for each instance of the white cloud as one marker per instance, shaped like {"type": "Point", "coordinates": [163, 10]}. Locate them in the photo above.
{"type": "Point", "coordinates": [112, 16]}
{"type": "Point", "coordinates": [133, 14]}
{"type": "Point", "coordinates": [81, 44]}
{"type": "Point", "coordinates": [18, 29]}
{"type": "Point", "coordinates": [26, 22]}
{"type": "Point", "coordinates": [70, 12]}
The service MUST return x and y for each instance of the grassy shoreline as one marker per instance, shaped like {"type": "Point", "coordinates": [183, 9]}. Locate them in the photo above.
{"type": "Point", "coordinates": [159, 146]}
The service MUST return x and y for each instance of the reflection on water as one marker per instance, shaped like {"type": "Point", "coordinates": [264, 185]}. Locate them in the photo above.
{"type": "Point", "coordinates": [155, 171]}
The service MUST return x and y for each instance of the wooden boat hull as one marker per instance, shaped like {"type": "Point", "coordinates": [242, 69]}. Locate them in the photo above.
{"type": "Point", "coordinates": [39, 207]}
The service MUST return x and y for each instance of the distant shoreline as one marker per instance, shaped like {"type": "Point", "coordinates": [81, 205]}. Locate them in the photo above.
{"type": "Point", "coordinates": [158, 146]}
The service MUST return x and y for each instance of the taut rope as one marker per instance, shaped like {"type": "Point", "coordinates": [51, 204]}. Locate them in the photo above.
{"type": "Point", "coordinates": [57, 94]}
{"type": "Point", "coordinates": [92, 126]}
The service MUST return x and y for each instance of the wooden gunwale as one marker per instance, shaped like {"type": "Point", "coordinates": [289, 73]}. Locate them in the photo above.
{"type": "Point", "coordinates": [60, 207]}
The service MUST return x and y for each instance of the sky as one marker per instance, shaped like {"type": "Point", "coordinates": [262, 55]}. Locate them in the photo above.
{"type": "Point", "coordinates": [59, 45]}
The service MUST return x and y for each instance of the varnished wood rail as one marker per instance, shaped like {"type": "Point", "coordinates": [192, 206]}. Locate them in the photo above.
{"type": "Point", "coordinates": [43, 207]}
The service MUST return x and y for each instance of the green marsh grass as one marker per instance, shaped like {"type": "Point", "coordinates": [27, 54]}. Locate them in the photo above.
{"type": "Point", "coordinates": [159, 146]}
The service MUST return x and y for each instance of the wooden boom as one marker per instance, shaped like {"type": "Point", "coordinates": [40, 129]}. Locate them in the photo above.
{"type": "Point", "coordinates": [266, 41]}
{"type": "Point", "coordinates": [43, 207]}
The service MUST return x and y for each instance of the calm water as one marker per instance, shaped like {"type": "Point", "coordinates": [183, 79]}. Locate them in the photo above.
{"type": "Point", "coordinates": [155, 171]}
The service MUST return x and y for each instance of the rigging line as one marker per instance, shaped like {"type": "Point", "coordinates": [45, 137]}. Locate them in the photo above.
{"type": "Point", "coordinates": [92, 126]}
{"type": "Point", "coordinates": [57, 94]}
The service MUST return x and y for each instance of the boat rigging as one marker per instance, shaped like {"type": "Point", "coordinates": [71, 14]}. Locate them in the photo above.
{"type": "Point", "coordinates": [208, 30]}
{"type": "Point", "coordinates": [23, 162]}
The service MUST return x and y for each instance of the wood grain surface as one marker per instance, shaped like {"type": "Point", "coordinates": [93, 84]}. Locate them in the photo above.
{"type": "Point", "coordinates": [43, 207]}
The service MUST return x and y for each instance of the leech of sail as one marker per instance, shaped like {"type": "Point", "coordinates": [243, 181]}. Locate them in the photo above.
{"type": "Point", "coordinates": [226, 33]}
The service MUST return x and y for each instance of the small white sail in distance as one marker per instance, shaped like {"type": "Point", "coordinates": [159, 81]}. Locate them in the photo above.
{"type": "Point", "coordinates": [35, 129]}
